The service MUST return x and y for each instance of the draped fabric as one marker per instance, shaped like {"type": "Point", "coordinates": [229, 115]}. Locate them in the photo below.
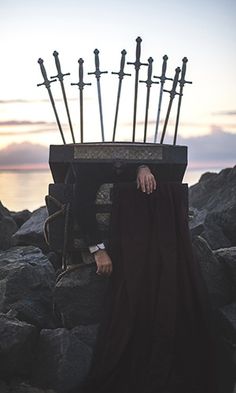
{"type": "Point", "coordinates": [156, 336]}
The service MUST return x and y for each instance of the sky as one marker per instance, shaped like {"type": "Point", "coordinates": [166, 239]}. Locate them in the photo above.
{"type": "Point", "coordinates": [203, 30]}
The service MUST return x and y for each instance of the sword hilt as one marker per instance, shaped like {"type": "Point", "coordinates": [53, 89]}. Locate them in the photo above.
{"type": "Point", "coordinates": [182, 80]}
{"type": "Point", "coordinates": [137, 64]}
{"type": "Point", "coordinates": [173, 91]}
{"type": "Point", "coordinates": [163, 77]}
{"type": "Point", "coordinates": [97, 71]}
{"type": "Point", "coordinates": [46, 82]}
{"type": "Point", "coordinates": [81, 82]}
{"type": "Point", "coordinates": [121, 73]}
{"type": "Point", "coordinates": [149, 81]}
{"type": "Point", "coordinates": [60, 75]}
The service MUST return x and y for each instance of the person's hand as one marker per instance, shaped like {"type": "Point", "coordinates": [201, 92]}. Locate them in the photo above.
{"type": "Point", "coordinates": [104, 263]}
{"type": "Point", "coordinates": [146, 180]}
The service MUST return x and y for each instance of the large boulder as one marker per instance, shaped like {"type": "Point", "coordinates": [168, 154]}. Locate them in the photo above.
{"type": "Point", "coordinates": [63, 360]}
{"type": "Point", "coordinates": [32, 231]}
{"type": "Point", "coordinates": [214, 201]}
{"type": "Point", "coordinates": [21, 217]}
{"type": "Point", "coordinates": [27, 282]}
{"type": "Point", "coordinates": [227, 257]}
{"type": "Point", "coordinates": [7, 228]}
{"type": "Point", "coordinates": [17, 342]}
{"type": "Point", "coordinates": [79, 295]}
{"type": "Point", "coordinates": [214, 273]}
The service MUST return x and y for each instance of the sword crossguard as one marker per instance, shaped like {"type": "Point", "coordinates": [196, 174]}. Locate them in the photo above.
{"type": "Point", "coordinates": [163, 77]}
{"type": "Point", "coordinates": [46, 82]}
{"type": "Point", "coordinates": [121, 73]}
{"type": "Point", "coordinates": [149, 80]}
{"type": "Point", "coordinates": [173, 91]}
{"type": "Point", "coordinates": [137, 63]}
{"type": "Point", "coordinates": [97, 71]}
{"type": "Point", "coordinates": [81, 82]}
{"type": "Point", "coordinates": [182, 80]}
{"type": "Point", "coordinates": [60, 75]}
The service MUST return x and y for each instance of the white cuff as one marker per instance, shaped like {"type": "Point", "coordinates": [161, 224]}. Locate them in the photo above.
{"type": "Point", "coordinates": [96, 247]}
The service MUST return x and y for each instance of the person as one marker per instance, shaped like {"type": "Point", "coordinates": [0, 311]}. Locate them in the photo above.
{"type": "Point", "coordinates": [89, 178]}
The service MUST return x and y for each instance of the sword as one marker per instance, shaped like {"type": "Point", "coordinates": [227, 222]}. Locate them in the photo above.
{"type": "Point", "coordinates": [121, 75]}
{"type": "Point", "coordinates": [137, 64]}
{"type": "Point", "coordinates": [60, 77]}
{"type": "Point", "coordinates": [81, 85]}
{"type": "Point", "coordinates": [162, 78]}
{"type": "Point", "coordinates": [97, 74]}
{"type": "Point", "coordinates": [172, 96]}
{"type": "Point", "coordinates": [47, 83]}
{"type": "Point", "coordinates": [182, 82]}
{"type": "Point", "coordinates": [149, 83]}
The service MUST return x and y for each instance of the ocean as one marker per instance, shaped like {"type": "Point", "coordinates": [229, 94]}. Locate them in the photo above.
{"type": "Point", "coordinates": [21, 189]}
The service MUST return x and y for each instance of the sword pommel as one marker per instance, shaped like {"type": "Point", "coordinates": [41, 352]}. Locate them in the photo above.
{"type": "Point", "coordinates": [46, 82]}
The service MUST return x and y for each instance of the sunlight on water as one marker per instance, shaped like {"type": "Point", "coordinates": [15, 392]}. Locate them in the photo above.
{"type": "Point", "coordinates": [27, 189]}
{"type": "Point", "coordinates": [24, 189]}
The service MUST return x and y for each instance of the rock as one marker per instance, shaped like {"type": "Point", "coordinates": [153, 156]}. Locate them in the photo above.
{"type": "Point", "coordinates": [3, 387]}
{"type": "Point", "coordinates": [7, 228]}
{"type": "Point", "coordinates": [17, 341]}
{"type": "Point", "coordinates": [21, 217]}
{"type": "Point", "coordinates": [62, 361]}
{"type": "Point", "coordinates": [214, 274]}
{"type": "Point", "coordinates": [17, 386]}
{"type": "Point", "coordinates": [79, 296]}
{"type": "Point", "coordinates": [227, 257]}
{"type": "Point", "coordinates": [32, 231]}
{"type": "Point", "coordinates": [214, 196]}
{"type": "Point", "coordinates": [27, 282]}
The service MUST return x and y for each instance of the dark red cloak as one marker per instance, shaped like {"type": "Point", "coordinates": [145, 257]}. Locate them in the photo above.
{"type": "Point", "coordinates": [156, 338]}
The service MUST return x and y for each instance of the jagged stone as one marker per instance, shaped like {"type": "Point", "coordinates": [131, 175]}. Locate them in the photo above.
{"type": "Point", "coordinates": [62, 361]}
{"type": "Point", "coordinates": [216, 279]}
{"type": "Point", "coordinates": [214, 197]}
{"type": "Point", "coordinates": [27, 281]}
{"type": "Point", "coordinates": [17, 341]}
{"type": "Point", "coordinates": [21, 217]}
{"type": "Point", "coordinates": [32, 231]}
{"type": "Point", "coordinates": [79, 295]}
{"type": "Point", "coordinates": [227, 257]}
{"type": "Point", "coordinates": [7, 228]}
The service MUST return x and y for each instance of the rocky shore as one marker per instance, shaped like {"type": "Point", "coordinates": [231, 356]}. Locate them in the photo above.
{"type": "Point", "coordinates": [49, 322]}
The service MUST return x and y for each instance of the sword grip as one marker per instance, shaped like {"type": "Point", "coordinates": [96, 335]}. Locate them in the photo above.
{"type": "Point", "coordinates": [45, 77]}
{"type": "Point", "coordinates": [183, 73]}
{"type": "Point", "coordinates": [81, 70]}
{"type": "Point", "coordinates": [138, 49]}
{"type": "Point", "coordinates": [60, 75]}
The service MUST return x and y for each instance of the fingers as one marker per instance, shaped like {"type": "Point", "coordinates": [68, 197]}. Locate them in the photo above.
{"type": "Point", "coordinates": [104, 263]}
{"type": "Point", "coordinates": [147, 183]}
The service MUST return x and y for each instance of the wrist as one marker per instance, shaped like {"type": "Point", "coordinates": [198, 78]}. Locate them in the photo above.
{"type": "Point", "coordinates": [96, 247]}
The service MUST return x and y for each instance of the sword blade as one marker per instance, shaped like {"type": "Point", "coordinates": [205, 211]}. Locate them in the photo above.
{"type": "Point", "coordinates": [81, 116]}
{"type": "Point", "coordinates": [166, 120]}
{"type": "Point", "coordinates": [146, 114]}
{"type": "Point", "coordinates": [67, 110]}
{"type": "Point", "coordinates": [177, 117]}
{"type": "Point", "coordinates": [158, 112]}
{"type": "Point", "coordinates": [135, 103]}
{"type": "Point", "coordinates": [100, 108]}
{"type": "Point", "coordinates": [56, 115]}
{"type": "Point", "coordinates": [117, 109]}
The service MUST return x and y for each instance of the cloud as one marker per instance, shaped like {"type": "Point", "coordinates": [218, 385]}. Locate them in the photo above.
{"type": "Point", "coordinates": [22, 123]}
{"type": "Point", "coordinates": [225, 113]}
{"type": "Point", "coordinates": [23, 153]}
{"type": "Point", "coordinates": [13, 127]}
{"type": "Point", "coordinates": [218, 146]}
